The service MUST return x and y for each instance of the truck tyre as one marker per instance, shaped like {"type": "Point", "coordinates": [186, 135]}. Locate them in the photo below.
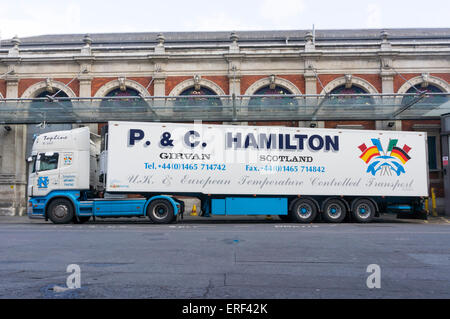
{"type": "Point", "coordinates": [81, 219]}
{"type": "Point", "coordinates": [363, 210]}
{"type": "Point", "coordinates": [304, 211]}
{"type": "Point", "coordinates": [60, 211]}
{"type": "Point", "coordinates": [160, 211]}
{"type": "Point", "coordinates": [334, 211]}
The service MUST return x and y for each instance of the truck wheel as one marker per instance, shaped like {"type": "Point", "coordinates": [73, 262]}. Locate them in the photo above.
{"type": "Point", "coordinates": [60, 211]}
{"type": "Point", "coordinates": [363, 210]}
{"type": "Point", "coordinates": [160, 211]}
{"type": "Point", "coordinates": [334, 211]}
{"type": "Point", "coordinates": [304, 211]}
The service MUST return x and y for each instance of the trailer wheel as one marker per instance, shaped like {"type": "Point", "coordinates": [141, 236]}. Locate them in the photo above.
{"type": "Point", "coordinates": [304, 211]}
{"type": "Point", "coordinates": [60, 211]}
{"type": "Point", "coordinates": [160, 211]}
{"type": "Point", "coordinates": [363, 210]}
{"type": "Point", "coordinates": [334, 211]}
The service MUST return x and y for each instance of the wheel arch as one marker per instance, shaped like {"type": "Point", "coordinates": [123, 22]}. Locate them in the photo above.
{"type": "Point", "coordinates": [70, 197]}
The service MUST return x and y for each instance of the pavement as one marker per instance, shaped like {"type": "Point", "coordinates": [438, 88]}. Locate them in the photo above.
{"type": "Point", "coordinates": [239, 257]}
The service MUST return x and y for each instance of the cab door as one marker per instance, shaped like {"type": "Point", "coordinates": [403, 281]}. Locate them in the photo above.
{"type": "Point", "coordinates": [46, 175]}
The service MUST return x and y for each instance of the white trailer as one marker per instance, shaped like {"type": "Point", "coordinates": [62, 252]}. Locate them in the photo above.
{"type": "Point", "coordinates": [296, 173]}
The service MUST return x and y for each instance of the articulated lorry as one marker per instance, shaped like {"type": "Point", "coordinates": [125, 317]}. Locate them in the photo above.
{"type": "Point", "coordinates": [300, 174]}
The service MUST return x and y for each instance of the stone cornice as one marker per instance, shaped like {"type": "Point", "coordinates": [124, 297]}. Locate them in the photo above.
{"type": "Point", "coordinates": [313, 54]}
{"type": "Point", "coordinates": [84, 59]}
{"type": "Point", "coordinates": [85, 78]}
{"type": "Point", "coordinates": [11, 79]}
{"type": "Point", "coordinates": [220, 55]}
{"type": "Point", "coordinates": [234, 77]}
{"type": "Point", "coordinates": [159, 76]}
{"type": "Point", "coordinates": [388, 53]}
{"type": "Point", "coordinates": [158, 57]}
{"type": "Point", "coordinates": [385, 74]}
{"type": "Point", "coordinates": [10, 60]}
{"type": "Point", "coordinates": [234, 56]}
{"type": "Point", "coordinates": [309, 75]}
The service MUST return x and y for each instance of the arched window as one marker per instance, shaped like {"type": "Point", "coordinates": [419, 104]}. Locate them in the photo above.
{"type": "Point", "coordinates": [189, 97]}
{"type": "Point", "coordinates": [46, 93]}
{"type": "Point", "coordinates": [127, 92]}
{"type": "Point", "coordinates": [277, 90]}
{"type": "Point", "coordinates": [39, 104]}
{"type": "Point", "coordinates": [45, 105]}
{"type": "Point", "coordinates": [351, 98]}
{"type": "Point", "coordinates": [278, 96]}
{"type": "Point", "coordinates": [201, 91]}
{"type": "Point", "coordinates": [122, 102]}
{"type": "Point", "coordinates": [427, 100]}
{"type": "Point", "coordinates": [429, 89]}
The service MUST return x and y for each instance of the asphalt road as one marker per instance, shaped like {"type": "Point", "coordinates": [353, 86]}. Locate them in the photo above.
{"type": "Point", "coordinates": [214, 258]}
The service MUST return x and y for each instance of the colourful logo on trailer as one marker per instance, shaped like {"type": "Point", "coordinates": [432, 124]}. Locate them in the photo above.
{"type": "Point", "coordinates": [385, 162]}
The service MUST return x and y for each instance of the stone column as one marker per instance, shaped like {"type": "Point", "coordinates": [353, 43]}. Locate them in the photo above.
{"type": "Point", "coordinates": [386, 56]}
{"type": "Point", "coordinates": [387, 82]}
{"type": "Point", "coordinates": [159, 85]}
{"type": "Point", "coordinates": [235, 85]}
{"type": "Point", "coordinates": [86, 59]}
{"type": "Point", "coordinates": [86, 91]}
{"type": "Point", "coordinates": [234, 72]}
{"type": "Point", "coordinates": [13, 171]}
{"type": "Point", "coordinates": [387, 86]}
{"type": "Point", "coordinates": [85, 86]}
{"type": "Point", "coordinates": [159, 89]}
{"type": "Point", "coordinates": [310, 84]}
{"type": "Point", "coordinates": [311, 88]}
{"type": "Point", "coordinates": [159, 59]}
{"type": "Point", "coordinates": [234, 61]}
{"type": "Point", "coordinates": [235, 90]}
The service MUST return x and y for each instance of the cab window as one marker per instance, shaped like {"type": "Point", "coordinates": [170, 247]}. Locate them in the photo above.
{"type": "Point", "coordinates": [33, 164]}
{"type": "Point", "coordinates": [48, 162]}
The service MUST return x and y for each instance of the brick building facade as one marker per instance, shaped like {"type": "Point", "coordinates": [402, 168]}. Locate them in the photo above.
{"type": "Point", "coordinates": [220, 63]}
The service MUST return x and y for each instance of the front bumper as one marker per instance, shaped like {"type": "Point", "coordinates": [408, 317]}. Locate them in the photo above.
{"type": "Point", "coordinates": [35, 209]}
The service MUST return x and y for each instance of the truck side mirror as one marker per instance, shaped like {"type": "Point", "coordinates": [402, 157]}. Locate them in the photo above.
{"type": "Point", "coordinates": [29, 159]}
